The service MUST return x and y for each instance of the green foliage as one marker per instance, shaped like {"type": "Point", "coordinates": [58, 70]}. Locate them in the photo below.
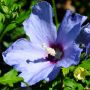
{"type": "Point", "coordinates": [12, 15]}
{"type": "Point", "coordinates": [77, 77]}
{"type": "Point", "coordinates": [86, 64]}
{"type": "Point", "coordinates": [1, 27]}
{"type": "Point", "coordinates": [22, 16]}
{"type": "Point", "coordinates": [10, 27]}
{"type": "Point", "coordinates": [10, 78]}
{"type": "Point", "coordinates": [66, 71]}
{"type": "Point", "coordinates": [2, 17]}
{"type": "Point", "coordinates": [70, 84]}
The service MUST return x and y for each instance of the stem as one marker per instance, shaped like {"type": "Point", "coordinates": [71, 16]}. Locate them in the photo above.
{"type": "Point", "coordinates": [61, 75]}
{"type": "Point", "coordinates": [55, 12]}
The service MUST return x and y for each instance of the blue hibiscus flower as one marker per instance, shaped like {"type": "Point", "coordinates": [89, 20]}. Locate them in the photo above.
{"type": "Point", "coordinates": [41, 57]}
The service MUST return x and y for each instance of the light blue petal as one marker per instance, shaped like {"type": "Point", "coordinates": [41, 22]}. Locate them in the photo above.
{"type": "Point", "coordinates": [22, 51]}
{"type": "Point", "coordinates": [69, 28]}
{"type": "Point", "coordinates": [84, 36]}
{"type": "Point", "coordinates": [35, 72]}
{"type": "Point", "coordinates": [71, 56]}
{"type": "Point", "coordinates": [39, 26]}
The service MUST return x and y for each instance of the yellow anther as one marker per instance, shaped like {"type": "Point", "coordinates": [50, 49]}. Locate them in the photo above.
{"type": "Point", "coordinates": [49, 50]}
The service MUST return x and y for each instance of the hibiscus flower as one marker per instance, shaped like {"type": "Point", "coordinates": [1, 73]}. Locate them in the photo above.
{"type": "Point", "coordinates": [41, 57]}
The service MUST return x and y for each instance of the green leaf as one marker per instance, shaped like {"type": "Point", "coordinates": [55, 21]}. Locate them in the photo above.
{"type": "Point", "coordinates": [23, 15]}
{"type": "Point", "coordinates": [10, 78]}
{"type": "Point", "coordinates": [5, 9]}
{"type": "Point", "coordinates": [82, 55]}
{"type": "Point", "coordinates": [2, 17]}
{"type": "Point", "coordinates": [8, 2]}
{"type": "Point", "coordinates": [10, 27]}
{"type": "Point", "coordinates": [79, 86]}
{"type": "Point", "coordinates": [70, 84]}
{"type": "Point", "coordinates": [1, 27]}
{"type": "Point", "coordinates": [19, 31]}
{"type": "Point", "coordinates": [87, 82]}
{"type": "Point", "coordinates": [5, 88]}
{"type": "Point", "coordinates": [15, 7]}
{"type": "Point", "coordinates": [65, 71]}
{"type": "Point", "coordinates": [85, 64]}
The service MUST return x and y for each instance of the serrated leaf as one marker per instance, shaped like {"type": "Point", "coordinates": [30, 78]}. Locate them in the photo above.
{"type": "Point", "coordinates": [10, 78]}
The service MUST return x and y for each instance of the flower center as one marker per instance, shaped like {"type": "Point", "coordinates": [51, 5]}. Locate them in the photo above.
{"type": "Point", "coordinates": [49, 50]}
{"type": "Point", "coordinates": [55, 52]}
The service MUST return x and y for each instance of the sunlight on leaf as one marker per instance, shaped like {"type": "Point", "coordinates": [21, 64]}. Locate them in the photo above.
{"type": "Point", "coordinates": [10, 78]}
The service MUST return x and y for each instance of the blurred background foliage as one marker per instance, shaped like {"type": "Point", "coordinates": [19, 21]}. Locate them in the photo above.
{"type": "Point", "coordinates": [12, 15]}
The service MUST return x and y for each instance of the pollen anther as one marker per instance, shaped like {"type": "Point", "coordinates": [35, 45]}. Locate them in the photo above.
{"type": "Point", "coordinates": [49, 50]}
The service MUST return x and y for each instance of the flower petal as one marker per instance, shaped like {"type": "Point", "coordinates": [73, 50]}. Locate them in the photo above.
{"type": "Point", "coordinates": [84, 36]}
{"type": "Point", "coordinates": [53, 74]}
{"type": "Point", "coordinates": [70, 28]}
{"type": "Point", "coordinates": [71, 56]}
{"type": "Point", "coordinates": [22, 51]}
{"type": "Point", "coordinates": [34, 72]}
{"type": "Point", "coordinates": [39, 26]}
